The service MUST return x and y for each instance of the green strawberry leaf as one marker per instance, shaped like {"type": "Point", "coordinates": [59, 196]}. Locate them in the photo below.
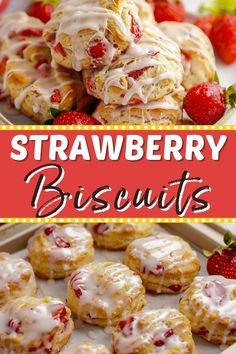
{"type": "Point", "coordinates": [231, 95]}
{"type": "Point", "coordinates": [217, 79]}
{"type": "Point", "coordinates": [233, 245]}
{"type": "Point", "coordinates": [54, 3]}
{"type": "Point", "coordinates": [49, 122]}
{"type": "Point", "coordinates": [207, 253]}
{"type": "Point", "coordinates": [228, 238]}
{"type": "Point", "coordinates": [217, 7]}
{"type": "Point", "coordinates": [55, 112]}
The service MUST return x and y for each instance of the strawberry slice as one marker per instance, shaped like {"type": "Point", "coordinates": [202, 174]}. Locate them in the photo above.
{"type": "Point", "coordinates": [75, 118]}
{"type": "Point", "coordinates": [3, 65]}
{"type": "Point", "coordinates": [31, 32]}
{"type": "Point", "coordinates": [216, 291]}
{"type": "Point", "coordinates": [49, 230]}
{"type": "Point", "coordinates": [59, 49]}
{"type": "Point", "coordinates": [135, 29]}
{"type": "Point", "coordinates": [56, 96]}
{"type": "Point", "coordinates": [126, 326]}
{"type": "Point", "coordinates": [101, 228]}
{"type": "Point", "coordinates": [14, 324]}
{"type": "Point", "coordinates": [61, 243]}
{"type": "Point", "coordinates": [135, 74]}
{"type": "Point", "coordinates": [61, 315]}
{"type": "Point", "coordinates": [97, 50]}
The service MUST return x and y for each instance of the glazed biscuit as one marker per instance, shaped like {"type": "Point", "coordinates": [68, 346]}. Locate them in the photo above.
{"type": "Point", "coordinates": [87, 348]}
{"type": "Point", "coordinates": [91, 33]}
{"type": "Point", "coordinates": [16, 278]}
{"type": "Point", "coordinates": [210, 305]}
{"type": "Point", "coordinates": [162, 331]}
{"type": "Point", "coordinates": [32, 325]}
{"type": "Point", "coordinates": [102, 293]}
{"type": "Point", "coordinates": [56, 251]}
{"type": "Point", "coordinates": [167, 110]}
{"type": "Point", "coordinates": [166, 263]}
{"type": "Point", "coordinates": [148, 71]}
{"type": "Point", "coordinates": [197, 52]}
{"type": "Point", "coordinates": [114, 236]}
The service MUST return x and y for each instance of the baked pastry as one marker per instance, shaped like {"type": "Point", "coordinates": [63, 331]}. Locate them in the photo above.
{"type": "Point", "coordinates": [18, 33]}
{"type": "Point", "coordinates": [87, 348]}
{"type": "Point", "coordinates": [166, 111]}
{"type": "Point", "coordinates": [91, 33]}
{"type": "Point", "coordinates": [102, 293]}
{"type": "Point", "coordinates": [114, 236]}
{"type": "Point", "coordinates": [16, 278]}
{"type": "Point", "coordinates": [210, 305]}
{"type": "Point", "coordinates": [166, 264]}
{"type": "Point", "coordinates": [197, 52]}
{"type": "Point", "coordinates": [145, 10]}
{"type": "Point", "coordinates": [32, 325]}
{"type": "Point", "coordinates": [162, 331]}
{"type": "Point", "coordinates": [56, 251]}
{"type": "Point", "coordinates": [149, 70]}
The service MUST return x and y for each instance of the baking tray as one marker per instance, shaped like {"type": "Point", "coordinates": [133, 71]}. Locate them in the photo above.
{"type": "Point", "coordinates": [200, 236]}
{"type": "Point", "coordinates": [227, 75]}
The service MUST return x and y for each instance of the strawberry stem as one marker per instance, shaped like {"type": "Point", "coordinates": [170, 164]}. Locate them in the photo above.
{"type": "Point", "coordinates": [217, 7]}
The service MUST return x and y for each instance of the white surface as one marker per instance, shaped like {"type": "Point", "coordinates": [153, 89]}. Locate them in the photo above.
{"type": "Point", "coordinates": [227, 73]}
{"type": "Point", "coordinates": [94, 334]}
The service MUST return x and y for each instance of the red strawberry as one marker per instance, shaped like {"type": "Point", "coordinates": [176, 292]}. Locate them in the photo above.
{"type": "Point", "coordinates": [206, 103]}
{"type": "Point", "coordinates": [160, 338]}
{"type": "Point", "coordinates": [77, 284]}
{"type": "Point", "coordinates": [126, 326]}
{"type": "Point", "coordinates": [60, 50]}
{"type": "Point", "coordinates": [74, 118]}
{"type": "Point", "coordinates": [61, 315]}
{"type": "Point", "coordinates": [223, 260]}
{"type": "Point", "coordinates": [223, 37]}
{"type": "Point", "coordinates": [169, 11]}
{"type": "Point", "coordinates": [56, 96]}
{"type": "Point", "coordinates": [97, 50]}
{"type": "Point", "coordinates": [136, 29]}
{"type": "Point", "coordinates": [14, 325]}
{"type": "Point", "coordinates": [205, 23]}
{"type": "Point", "coordinates": [135, 74]}
{"type": "Point", "coordinates": [3, 4]}
{"type": "Point", "coordinates": [61, 243]}
{"type": "Point", "coordinates": [31, 32]}
{"type": "Point", "coordinates": [41, 9]}
{"type": "Point", "coordinates": [3, 65]}
{"type": "Point", "coordinates": [49, 230]}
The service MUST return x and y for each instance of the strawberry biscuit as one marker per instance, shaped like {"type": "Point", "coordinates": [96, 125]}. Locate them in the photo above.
{"type": "Point", "coordinates": [91, 33]}
{"type": "Point", "coordinates": [56, 251]}
{"type": "Point", "coordinates": [166, 264]}
{"type": "Point", "coordinates": [102, 293]}
{"type": "Point", "coordinates": [210, 305]}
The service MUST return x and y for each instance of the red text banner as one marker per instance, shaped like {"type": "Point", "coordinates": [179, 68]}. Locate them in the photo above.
{"type": "Point", "coordinates": [102, 173]}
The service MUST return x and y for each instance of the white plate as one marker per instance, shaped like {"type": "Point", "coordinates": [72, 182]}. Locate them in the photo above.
{"type": "Point", "coordinates": [227, 74]}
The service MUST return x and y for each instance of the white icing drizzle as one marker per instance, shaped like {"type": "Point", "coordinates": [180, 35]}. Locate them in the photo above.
{"type": "Point", "coordinates": [150, 327]}
{"type": "Point", "coordinates": [142, 56]}
{"type": "Point", "coordinates": [72, 17]}
{"type": "Point", "coordinates": [107, 285]}
{"type": "Point", "coordinates": [31, 317]}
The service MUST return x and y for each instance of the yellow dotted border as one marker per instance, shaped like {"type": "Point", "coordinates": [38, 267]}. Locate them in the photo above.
{"type": "Point", "coordinates": [117, 220]}
{"type": "Point", "coordinates": [117, 127]}
{"type": "Point", "coordinates": [112, 128]}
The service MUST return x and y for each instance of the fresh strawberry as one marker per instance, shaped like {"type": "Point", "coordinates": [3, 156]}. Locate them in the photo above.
{"type": "Point", "coordinates": [56, 96]}
{"type": "Point", "coordinates": [222, 261]}
{"type": "Point", "coordinates": [3, 65]}
{"type": "Point", "coordinates": [41, 9]}
{"type": "Point", "coordinates": [206, 103]}
{"type": "Point", "coordinates": [60, 50]}
{"type": "Point", "coordinates": [97, 50]}
{"type": "Point", "coordinates": [135, 29]}
{"type": "Point", "coordinates": [74, 118]}
{"type": "Point", "coordinates": [205, 23]}
{"type": "Point", "coordinates": [223, 37]}
{"type": "Point", "coordinates": [60, 243]}
{"type": "Point", "coordinates": [169, 11]}
{"type": "Point", "coordinates": [15, 325]}
{"type": "Point", "coordinates": [3, 5]}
